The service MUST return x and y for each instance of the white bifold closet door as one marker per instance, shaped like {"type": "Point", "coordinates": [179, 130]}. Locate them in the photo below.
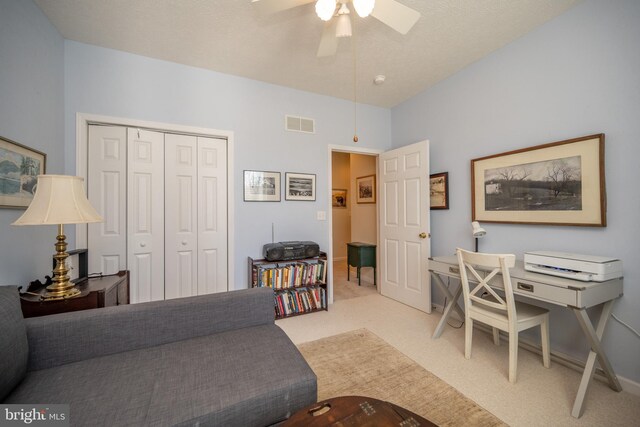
{"type": "Point", "coordinates": [163, 197]}
{"type": "Point", "coordinates": [195, 215]}
{"type": "Point", "coordinates": [107, 192]}
{"type": "Point", "coordinates": [145, 214]}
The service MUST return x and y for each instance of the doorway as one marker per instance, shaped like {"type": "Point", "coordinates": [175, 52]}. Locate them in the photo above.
{"type": "Point", "coordinates": [354, 219]}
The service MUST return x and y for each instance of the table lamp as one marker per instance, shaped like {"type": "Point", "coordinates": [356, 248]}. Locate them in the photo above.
{"type": "Point", "coordinates": [59, 200]}
{"type": "Point", "coordinates": [478, 232]}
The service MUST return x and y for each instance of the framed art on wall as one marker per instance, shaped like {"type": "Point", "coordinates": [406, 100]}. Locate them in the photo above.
{"type": "Point", "coordinates": [19, 170]}
{"type": "Point", "coordinates": [366, 189]}
{"type": "Point", "coordinates": [299, 186]}
{"type": "Point", "coordinates": [338, 198]}
{"type": "Point", "coordinates": [261, 186]}
{"type": "Point", "coordinates": [561, 183]}
{"type": "Point", "coordinates": [439, 190]}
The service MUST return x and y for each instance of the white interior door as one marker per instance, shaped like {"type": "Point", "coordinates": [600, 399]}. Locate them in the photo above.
{"type": "Point", "coordinates": [404, 225]}
{"type": "Point", "coordinates": [212, 215]}
{"type": "Point", "coordinates": [145, 214]}
{"type": "Point", "coordinates": [106, 190]}
{"type": "Point", "coordinates": [181, 221]}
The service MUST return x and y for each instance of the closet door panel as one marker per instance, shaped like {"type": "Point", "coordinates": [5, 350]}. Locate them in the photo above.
{"type": "Point", "coordinates": [181, 222]}
{"type": "Point", "coordinates": [212, 215]}
{"type": "Point", "coordinates": [106, 190]}
{"type": "Point", "coordinates": [145, 214]}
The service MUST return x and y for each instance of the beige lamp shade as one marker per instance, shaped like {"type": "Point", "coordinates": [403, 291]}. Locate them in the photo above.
{"type": "Point", "coordinates": [59, 199]}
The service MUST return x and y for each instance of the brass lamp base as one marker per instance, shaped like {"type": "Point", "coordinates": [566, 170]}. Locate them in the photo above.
{"type": "Point", "coordinates": [53, 293]}
{"type": "Point", "coordinates": [62, 287]}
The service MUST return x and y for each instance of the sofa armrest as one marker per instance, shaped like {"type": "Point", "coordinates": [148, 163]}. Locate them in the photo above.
{"type": "Point", "coordinates": [70, 337]}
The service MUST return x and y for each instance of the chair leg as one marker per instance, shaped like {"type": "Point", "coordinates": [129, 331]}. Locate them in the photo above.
{"type": "Point", "coordinates": [513, 356]}
{"type": "Point", "coordinates": [496, 336]}
{"type": "Point", "coordinates": [544, 338]}
{"type": "Point", "coordinates": [468, 335]}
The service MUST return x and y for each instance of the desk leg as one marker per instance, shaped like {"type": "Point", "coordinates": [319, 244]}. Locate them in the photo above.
{"type": "Point", "coordinates": [452, 304]}
{"type": "Point", "coordinates": [594, 336]}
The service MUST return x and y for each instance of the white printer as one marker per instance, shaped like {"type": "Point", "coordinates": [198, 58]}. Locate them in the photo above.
{"type": "Point", "coordinates": [573, 266]}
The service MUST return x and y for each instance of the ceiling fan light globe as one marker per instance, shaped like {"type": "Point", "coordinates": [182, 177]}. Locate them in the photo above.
{"type": "Point", "coordinates": [343, 27]}
{"type": "Point", "coordinates": [325, 9]}
{"type": "Point", "coordinates": [364, 7]}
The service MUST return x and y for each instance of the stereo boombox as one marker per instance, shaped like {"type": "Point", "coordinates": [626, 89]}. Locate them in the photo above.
{"type": "Point", "coordinates": [283, 251]}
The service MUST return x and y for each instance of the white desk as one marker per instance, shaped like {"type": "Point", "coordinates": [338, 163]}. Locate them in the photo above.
{"type": "Point", "coordinates": [573, 294]}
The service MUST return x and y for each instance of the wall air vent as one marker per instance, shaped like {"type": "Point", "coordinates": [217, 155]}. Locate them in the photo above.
{"type": "Point", "coordinates": [299, 124]}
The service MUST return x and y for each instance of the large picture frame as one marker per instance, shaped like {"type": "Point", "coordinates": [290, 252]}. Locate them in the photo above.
{"type": "Point", "coordinates": [300, 186]}
{"type": "Point", "coordinates": [261, 186]}
{"type": "Point", "coordinates": [439, 191]}
{"type": "Point", "coordinates": [19, 170]}
{"type": "Point", "coordinates": [561, 183]}
{"type": "Point", "coordinates": [366, 189]}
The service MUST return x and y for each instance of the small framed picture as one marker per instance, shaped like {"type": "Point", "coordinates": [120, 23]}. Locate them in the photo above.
{"type": "Point", "coordinates": [366, 189]}
{"type": "Point", "coordinates": [439, 190]}
{"type": "Point", "coordinates": [300, 186]}
{"type": "Point", "coordinates": [19, 170]}
{"type": "Point", "coordinates": [338, 198]}
{"type": "Point", "coordinates": [261, 186]}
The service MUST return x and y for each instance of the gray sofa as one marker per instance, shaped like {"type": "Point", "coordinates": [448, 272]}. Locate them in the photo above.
{"type": "Point", "coordinates": [208, 360]}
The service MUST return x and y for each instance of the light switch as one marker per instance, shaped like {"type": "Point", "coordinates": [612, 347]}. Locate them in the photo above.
{"type": "Point", "coordinates": [321, 216]}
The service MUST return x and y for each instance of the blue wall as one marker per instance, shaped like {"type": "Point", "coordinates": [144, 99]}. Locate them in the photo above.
{"type": "Point", "coordinates": [113, 83]}
{"type": "Point", "coordinates": [577, 75]}
{"type": "Point", "coordinates": [31, 113]}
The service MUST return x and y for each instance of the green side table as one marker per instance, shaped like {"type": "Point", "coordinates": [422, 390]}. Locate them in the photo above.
{"type": "Point", "coordinates": [361, 255]}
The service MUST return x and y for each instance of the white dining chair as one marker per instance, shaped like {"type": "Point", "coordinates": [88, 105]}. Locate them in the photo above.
{"type": "Point", "coordinates": [501, 313]}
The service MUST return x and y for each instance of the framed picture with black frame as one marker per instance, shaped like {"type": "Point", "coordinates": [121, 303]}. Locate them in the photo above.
{"type": "Point", "coordinates": [300, 186]}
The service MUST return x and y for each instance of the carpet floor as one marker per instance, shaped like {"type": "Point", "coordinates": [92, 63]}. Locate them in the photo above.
{"type": "Point", "coordinates": [360, 363]}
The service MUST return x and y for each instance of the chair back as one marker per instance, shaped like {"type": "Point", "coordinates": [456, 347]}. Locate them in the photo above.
{"type": "Point", "coordinates": [483, 268]}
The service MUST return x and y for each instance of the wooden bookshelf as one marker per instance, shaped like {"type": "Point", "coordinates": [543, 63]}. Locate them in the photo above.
{"type": "Point", "coordinates": [299, 285]}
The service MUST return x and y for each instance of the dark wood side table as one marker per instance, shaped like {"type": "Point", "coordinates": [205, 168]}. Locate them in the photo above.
{"type": "Point", "coordinates": [361, 255]}
{"type": "Point", "coordinates": [352, 411]}
{"type": "Point", "coordinates": [95, 292]}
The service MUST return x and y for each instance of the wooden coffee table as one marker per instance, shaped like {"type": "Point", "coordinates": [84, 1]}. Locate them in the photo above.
{"type": "Point", "coordinates": [351, 411]}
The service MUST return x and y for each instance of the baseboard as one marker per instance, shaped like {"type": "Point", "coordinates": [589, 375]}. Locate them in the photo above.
{"type": "Point", "coordinates": [563, 359]}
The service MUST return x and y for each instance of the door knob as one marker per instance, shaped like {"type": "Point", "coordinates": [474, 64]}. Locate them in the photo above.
{"type": "Point", "coordinates": [142, 245]}
{"type": "Point", "coordinates": [422, 235]}
{"type": "Point", "coordinates": [184, 243]}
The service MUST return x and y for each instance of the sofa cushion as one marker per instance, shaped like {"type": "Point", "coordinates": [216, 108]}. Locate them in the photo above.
{"type": "Point", "coordinates": [14, 351]}
{"type": "Point", "coordinates": [245, 377]}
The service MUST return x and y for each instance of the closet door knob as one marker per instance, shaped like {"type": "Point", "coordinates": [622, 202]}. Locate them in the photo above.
{"type": "Point", "coordinates": [142, 245]}
{"type": "Point", "coordinates": [184, 243]}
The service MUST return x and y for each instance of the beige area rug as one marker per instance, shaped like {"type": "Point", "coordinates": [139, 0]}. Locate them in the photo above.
{"type": "Point", "coordinates": [360, 363]}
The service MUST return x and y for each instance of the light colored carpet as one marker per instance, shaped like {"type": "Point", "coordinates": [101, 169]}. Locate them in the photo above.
{"type": "Point", "coordinates": [344, 289]}
{"type": "Point", "coordinates": [360, 363]}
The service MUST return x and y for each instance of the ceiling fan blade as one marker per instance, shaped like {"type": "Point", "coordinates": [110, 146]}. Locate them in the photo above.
{"type": "Point", "coordinates": [398, 16]}
{"type": "Point", "coordinates": [329, 41]}
{"type": "Point", "coordinates": [272, 6]}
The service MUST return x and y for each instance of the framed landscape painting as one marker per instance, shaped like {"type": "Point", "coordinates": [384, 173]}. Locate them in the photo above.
{"type": "Point", "coordinates": [439, 190]}
{"type": "Point", "coordinates": [561, 183]}
{"type": "Point", "coordinates": [261, 186]}
{"type": "Point", "coordinates": [300, 186]}
{"type": "Point", "coordinates": [19, 170]}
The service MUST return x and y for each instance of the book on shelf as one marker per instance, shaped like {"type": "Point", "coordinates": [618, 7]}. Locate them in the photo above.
{"type": "Point", "coordinates": [301, 300]}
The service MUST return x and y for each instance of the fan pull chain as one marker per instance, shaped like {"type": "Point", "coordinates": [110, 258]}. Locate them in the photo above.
{"type": "Point", "coordinates": [355, 88]}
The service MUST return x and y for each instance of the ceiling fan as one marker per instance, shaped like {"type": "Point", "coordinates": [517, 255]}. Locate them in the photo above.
{"type": "Point", "coordinates": [396, 15]}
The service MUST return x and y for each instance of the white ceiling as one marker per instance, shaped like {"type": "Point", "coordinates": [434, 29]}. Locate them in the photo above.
{"type": "Point", "coordinates": [230, 36]}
